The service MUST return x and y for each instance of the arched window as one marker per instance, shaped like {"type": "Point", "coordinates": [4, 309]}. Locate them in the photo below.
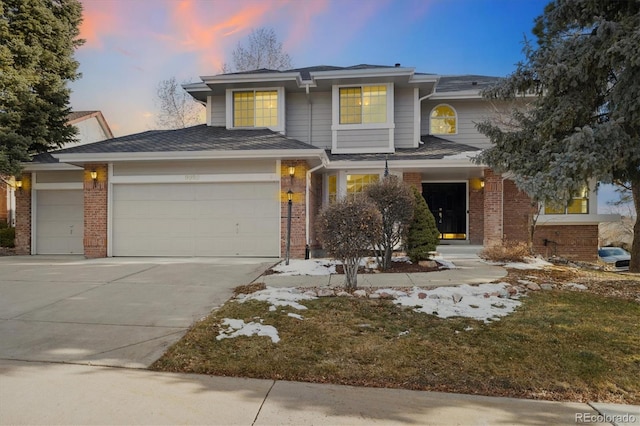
{"type": "Point", "coordinates": [443, 120]}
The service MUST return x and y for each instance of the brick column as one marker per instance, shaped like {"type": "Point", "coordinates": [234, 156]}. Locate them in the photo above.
{"type": "Point", "coordinates": [493, 204]}
{"type": "Point", "coordinates": [476, 214]}
{"type": "Point", "coordinates": [95, 211]}
{"type": "Point", "coordinates": [299, 207]}
{"type": "Point", "coordinates": [413, 179]}
{"type": "Point", "coordinates": [23, 216]}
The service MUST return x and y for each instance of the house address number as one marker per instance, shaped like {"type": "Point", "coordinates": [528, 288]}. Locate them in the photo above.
{"type": "Point", "coordinates": [191, 177]}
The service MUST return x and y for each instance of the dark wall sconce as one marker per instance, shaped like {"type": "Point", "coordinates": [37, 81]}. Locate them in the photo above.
{"type": "Point", "coordinates": [94, 177]}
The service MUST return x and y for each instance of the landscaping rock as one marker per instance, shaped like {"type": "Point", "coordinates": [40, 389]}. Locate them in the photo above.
{"type": "Point", "coordinates": [385, 295]}
{"type": "Point", "coordinates": [344, 294]}
{"type": "Point", "coordinates": [547, 286]}
{"type": "Point", "coordinates": [326, 292]}
{"type": "Point", "coordinates": [310, 293]}
{"type": "Point", "coordinates": [456, 298]}
{"type": "Point", "coordinates": [360, 293]}
{"type": "Point", "coordinates": [422, 296]}
{"type": "Point", "coordinates": [533, 287]}
{"type": "Point", "coordinates": [374, 296]}
{"type": "Point", "coordinates": [574, 286]}
{"type": "Point", "coordinates": [434, 296]}
{"type": "Point", "coordinates": [525, 282]}
{"type": "Point", "coordinates": [512, 291]}
{"type": "Point", "coordinates": [428, 263]}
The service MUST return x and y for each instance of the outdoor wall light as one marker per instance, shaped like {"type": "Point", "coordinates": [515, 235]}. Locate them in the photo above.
{"type": "Point", "coordinates": [19, 184]}
{"type": "Point", "coordinates": [481, 183]}
{"type": "Point", "coordinates": [289, 195]}
{"type": "Point", "coordinates": [292, 171]}
{"type": "Point", "coordinates": [94, 177]}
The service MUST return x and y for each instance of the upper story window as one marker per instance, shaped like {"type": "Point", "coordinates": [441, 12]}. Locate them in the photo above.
{"type": "Point", "coordinates": [443, 120]}
{"type": "Point", "coordinates": [255, 108]}
{"type": "Point", "coordinates": [363, 104]}
{"type": "Point", "coordinates": [578, 205]}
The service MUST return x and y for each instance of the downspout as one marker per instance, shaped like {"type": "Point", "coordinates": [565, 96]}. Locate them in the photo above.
{"type": "Point", "coordinates": [307, 219]}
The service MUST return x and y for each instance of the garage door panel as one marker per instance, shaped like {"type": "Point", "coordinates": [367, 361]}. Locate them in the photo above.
{"type": "Point", "coordinates": [59, 222]}
{"type": "Point", "coordinates": [196, 219]}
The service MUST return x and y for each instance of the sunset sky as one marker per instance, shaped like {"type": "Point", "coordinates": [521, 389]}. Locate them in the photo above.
{"type": "Point", "coordinates": [131, 45]}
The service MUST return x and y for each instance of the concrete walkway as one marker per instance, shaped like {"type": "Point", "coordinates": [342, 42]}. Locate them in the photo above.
{"type": "Point", "coordinates": [38, 393]}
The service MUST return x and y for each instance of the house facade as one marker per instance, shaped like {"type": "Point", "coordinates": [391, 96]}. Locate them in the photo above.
{"type": "Point", "coordinates": [308, 135]}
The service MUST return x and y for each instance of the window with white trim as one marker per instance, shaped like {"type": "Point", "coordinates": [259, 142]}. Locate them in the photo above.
{"type": "Point", "coordinates": [578, 205]}
{"type": "Point", "coordinates": [443, 120]}
{"type": "Point", "coordinates": [255, 108]}
{"type": "Point", "coordinates": [363, 104]}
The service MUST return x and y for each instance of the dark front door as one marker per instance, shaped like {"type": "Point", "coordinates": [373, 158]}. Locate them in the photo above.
{"type": "Point", "coordinates": [448, 203]}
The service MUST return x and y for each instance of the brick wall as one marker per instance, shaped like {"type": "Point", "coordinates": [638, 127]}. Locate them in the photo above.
{"type": "Point", "coordinates": [518, 213]}
{"type": "Point", "coordinates": [95, 211]}
{"type": "Point", "coordinates": [413, 179]}
{"type": "Point", "coordinates": [476, 215]}
{"type": "Point", "coordinates": [492, 209]}
{"type": "Point", "coordinates": [23, 216]}
{"type": "Point", "coordinates": [298, 211]}
{"type": "Point", "coordinates": [315, 204]}
{"type": "Point", "coordinates": [576, 242]}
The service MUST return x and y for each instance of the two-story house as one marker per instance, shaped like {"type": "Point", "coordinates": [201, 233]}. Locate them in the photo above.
{"type": "Point", "coordinates": [311, 135]}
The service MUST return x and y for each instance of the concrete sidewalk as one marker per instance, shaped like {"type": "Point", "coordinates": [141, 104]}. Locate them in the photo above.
{"type": "Point", "coordinates": [39, 393]}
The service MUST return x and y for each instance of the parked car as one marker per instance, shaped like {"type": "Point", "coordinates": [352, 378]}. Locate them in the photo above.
{"type": "Point", "coordinates": [616, 258]}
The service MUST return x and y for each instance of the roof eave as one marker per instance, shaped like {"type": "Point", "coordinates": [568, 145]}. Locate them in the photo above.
{"type": "Point", "coordinates": [79, 158]}
{"type": "Point", "coordinates": [361, 73]}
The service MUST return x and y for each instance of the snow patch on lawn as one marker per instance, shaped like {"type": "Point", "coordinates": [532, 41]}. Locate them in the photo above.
{"type": "Point", "coordinates": [278, 297]}
{"type": "Point", "coordinates": [306, 267]}
{"type": "Point", "coordinates": [236, 328]}
{"type": "Point", "coordinates": [531, 263]}
{"type": "Point", "coordinates": [482, 302]}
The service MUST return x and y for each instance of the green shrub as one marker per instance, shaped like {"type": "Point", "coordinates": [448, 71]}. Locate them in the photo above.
{"type": "Point", "coordinates": [423, 234]}
{"type": "Point", "coordinates": [7, 237]}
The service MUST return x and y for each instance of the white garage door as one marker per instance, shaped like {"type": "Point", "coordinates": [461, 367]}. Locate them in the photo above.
{"type": "Point", "coordinates": [59, 222]}
{"type": "Point", "coordinates": [204, 219]}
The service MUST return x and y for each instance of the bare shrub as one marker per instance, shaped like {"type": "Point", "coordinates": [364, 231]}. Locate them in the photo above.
{"type": "Point", "coordinates": [346, 229]}
{"type": "Point", "coordinates": [508, 251]}
{"type": "Point", "coordinates": [395, 202]}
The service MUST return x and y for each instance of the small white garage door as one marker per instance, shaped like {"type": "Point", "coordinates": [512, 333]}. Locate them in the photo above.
{"type": "Point", "coordinates": [203, 219]}
{"type": "Point", "coordinates": [59, 222]}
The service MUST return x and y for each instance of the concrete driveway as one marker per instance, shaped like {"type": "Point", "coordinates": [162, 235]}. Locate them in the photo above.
{"type": "Point", "coordinates": [116, 312]}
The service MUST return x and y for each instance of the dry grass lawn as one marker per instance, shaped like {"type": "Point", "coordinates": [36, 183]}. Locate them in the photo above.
{"type": "Point", "coordinates": [559, 345]}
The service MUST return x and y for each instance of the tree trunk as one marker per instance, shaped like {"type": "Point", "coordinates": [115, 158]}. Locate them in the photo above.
{"type": "Point", "coordinates": [634, 265]}
{"type": "Point", "coordinates": [351, 273]}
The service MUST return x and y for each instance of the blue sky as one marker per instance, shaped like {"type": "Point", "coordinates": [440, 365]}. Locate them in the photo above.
{"type": "Point", "coordinates": [131, 45]}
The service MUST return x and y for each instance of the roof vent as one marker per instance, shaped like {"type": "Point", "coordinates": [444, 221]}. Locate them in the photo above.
{"type": "Point", "coordinates": [397, 65]}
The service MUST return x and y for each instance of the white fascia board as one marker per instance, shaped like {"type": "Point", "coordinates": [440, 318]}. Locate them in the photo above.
{"type": "Point", "coordinates": [44, 167]}
{"type": "Point", "coordinates": [403, 164]}
{"type": "Point", "coordinates": [424, 78]}
{"type": "Point", "coordinates": [195, 87]}
{"type": "Point", "coordinates": [361, 73]}
{"type": "Point", "coordinates": [251, 78]}
{"type": "Point", "coordinates": [190, 155]}
{"type": "Point", "coordinates": [576, 219]}
{"type": "Point", "coordinates": [463, 94]}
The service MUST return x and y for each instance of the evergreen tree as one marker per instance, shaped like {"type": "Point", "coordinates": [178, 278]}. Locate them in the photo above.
{"type": "Point", "coordinates": [37, 42]}
{"type": "Point", "coordinates": [423, 234]}
{"type": "Point", "coordinates": [583, 121]}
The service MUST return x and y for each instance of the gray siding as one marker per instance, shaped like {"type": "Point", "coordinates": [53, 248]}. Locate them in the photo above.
{"type": "Point", "coordinates": [218, 107]}
{"type": "Point", "coordinates": [297, 119]}
{"type": "Point", "coordinates": [469, 112]}
{"type": "Point", "coordinates": [360, 139]}
{"type": "Point", "coordinates": [403, 118]}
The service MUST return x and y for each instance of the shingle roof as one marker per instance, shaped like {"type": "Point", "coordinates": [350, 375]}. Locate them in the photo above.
{"type": "Point", "coordinates": [305, 72]}
{"type": "Point", "coordinates": [196, 138]}
{"type": "Point", "coordinates": [434, 148]}
{"type": "Point", "coordinates": [457, 83]}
